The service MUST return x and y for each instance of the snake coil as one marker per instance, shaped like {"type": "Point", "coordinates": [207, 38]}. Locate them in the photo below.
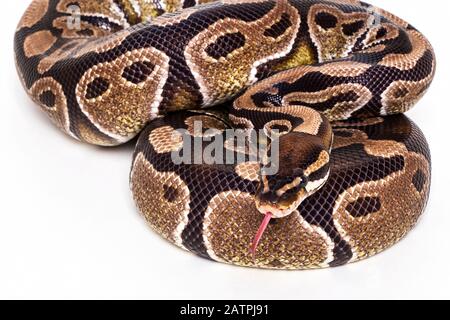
{"type": "Point", "coordinates": [332, 77]}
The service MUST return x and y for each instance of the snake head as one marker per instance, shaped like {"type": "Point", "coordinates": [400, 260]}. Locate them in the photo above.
{"type": "Point", "coordinates": [281, 195]}
{"type": "Point", "coordinates": [304, 167]}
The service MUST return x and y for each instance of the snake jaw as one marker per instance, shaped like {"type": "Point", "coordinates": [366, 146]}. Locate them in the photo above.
{"type": "Point", "coordinates": [260, 233]}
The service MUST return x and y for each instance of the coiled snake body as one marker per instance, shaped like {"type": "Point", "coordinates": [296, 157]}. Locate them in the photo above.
{"type": "Point", "coordinates": [330, 77]}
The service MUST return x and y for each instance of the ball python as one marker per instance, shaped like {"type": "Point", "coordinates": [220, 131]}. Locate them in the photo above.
{"type": "Point", "coordinates": [327, 82]}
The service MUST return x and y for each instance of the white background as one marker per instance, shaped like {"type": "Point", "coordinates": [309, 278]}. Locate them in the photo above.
{"type": "Point", "coordinates": [69, 227]}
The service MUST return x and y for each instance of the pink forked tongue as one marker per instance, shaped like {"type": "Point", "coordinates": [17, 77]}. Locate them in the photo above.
{"type": "Point", "coordinates": [260, 233]}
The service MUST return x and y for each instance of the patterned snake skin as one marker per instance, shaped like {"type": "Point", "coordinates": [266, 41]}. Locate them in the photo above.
{"type": "Point", "coordinates": [333, 77]}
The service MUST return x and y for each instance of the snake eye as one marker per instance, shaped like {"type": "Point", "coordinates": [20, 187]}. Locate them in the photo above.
{"type": "Point", "coordinates": [304, 182]}
{"type": "Point", "coordinates": [304, 179]}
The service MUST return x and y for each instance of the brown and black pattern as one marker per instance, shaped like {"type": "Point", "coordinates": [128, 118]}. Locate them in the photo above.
{"type": "Point", "coordinates": [214, 51]}
{"type": "Point", "coordinates": [357, 213]}
{"type": "Point", "coordinates": [293, 65]}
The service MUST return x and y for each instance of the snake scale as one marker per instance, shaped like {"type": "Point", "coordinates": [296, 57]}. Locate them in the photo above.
{"type": "Point", "coordinates": [327, 82]}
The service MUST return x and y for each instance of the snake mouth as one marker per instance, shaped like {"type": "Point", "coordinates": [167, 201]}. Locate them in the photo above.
{"type": "Point", "coordinates": [277, 210]}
